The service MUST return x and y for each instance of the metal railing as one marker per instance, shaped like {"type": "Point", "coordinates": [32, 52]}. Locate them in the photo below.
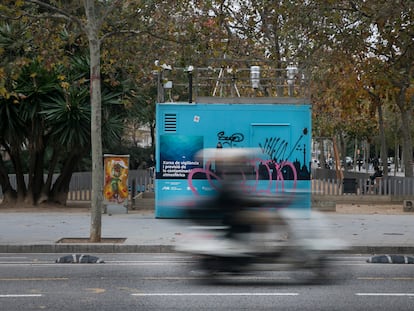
{"type": "Point", "coordinates": [230, 78]}
{"type": "Point", "coordinates": [324, 182]}
{"type": "Point", "coordinates": [80, 186]}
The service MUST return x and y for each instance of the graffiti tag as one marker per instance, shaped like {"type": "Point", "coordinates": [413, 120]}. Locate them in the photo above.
{"type": "Point", "coordinates": [275, 148]}
{"type": "Point", "coordinates": [229, 140]}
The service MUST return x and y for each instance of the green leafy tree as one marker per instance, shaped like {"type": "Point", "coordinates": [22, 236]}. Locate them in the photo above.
{"type": "Point", "coordinates": [50, 119]}
{"type": "Point", "coordinates": [98, 22]}
{"type": "Point", "coordinates": [55, 59]}
{"type": "Point", "coordinates": [376, 38]}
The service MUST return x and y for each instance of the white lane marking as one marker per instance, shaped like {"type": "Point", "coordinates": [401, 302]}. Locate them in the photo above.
{"type": "Point", "coordinates": [20, 295]}
{"type": "Point", "coordinates": [385, 294]}
{"type": "Point", "coordinates": [148, 262]}
{"type": "Point", "coordinates": [235, 277]}
{"type": "Point", "coordinates": [214, 294]}
{"type": "Point", "coordinates": [34, 279]}
{"type": "Point", "coordinates": [367, 278]}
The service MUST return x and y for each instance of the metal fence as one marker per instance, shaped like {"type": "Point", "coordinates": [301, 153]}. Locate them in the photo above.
{"type": "Point", "coordinates": [226, 78]}
{"type": "Point", "coordinates": [80, 186]}
{"type": "Point", "coordinates": [324, 182]}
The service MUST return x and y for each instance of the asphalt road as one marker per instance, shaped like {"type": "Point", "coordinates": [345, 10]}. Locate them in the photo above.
{"type": "Point", "coordinates": [171, 282]}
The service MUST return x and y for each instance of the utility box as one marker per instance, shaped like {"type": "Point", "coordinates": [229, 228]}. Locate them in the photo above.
{"type": "Point", "coordinates": [349, 185]}
{"type": "Point", "coordinates": [280, 128]}
{"type": "Point", "coordinates": [229, 103]}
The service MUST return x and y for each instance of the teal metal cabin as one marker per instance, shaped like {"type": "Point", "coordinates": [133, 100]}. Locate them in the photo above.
{"type": "Point", "coordinates": [279, 128]}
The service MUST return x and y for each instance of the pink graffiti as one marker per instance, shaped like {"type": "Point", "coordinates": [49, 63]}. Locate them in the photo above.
{"type": "Point", "coordinates": [214, 180]}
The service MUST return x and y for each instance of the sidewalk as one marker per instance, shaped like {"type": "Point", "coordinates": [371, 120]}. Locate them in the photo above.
{"type": "Point", "coordinates": [28, 232]}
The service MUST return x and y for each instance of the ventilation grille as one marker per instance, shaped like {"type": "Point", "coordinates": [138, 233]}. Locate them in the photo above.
{"type": "Point", "coordinates": [170, 122]}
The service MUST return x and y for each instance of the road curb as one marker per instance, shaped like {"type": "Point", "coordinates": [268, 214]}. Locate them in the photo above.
{"type": "Point", "coordinates": [86, 248]}
{"type": "Point", "coordinates": [380, 250]}
{"type": "Point", "coordinates": [119, 248]}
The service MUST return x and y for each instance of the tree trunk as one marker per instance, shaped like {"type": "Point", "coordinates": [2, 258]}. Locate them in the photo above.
{"type": "Point", "coordinates": [406, 110]}
{"type": "Point", "coordinates": [322, 158]}
{"type": "Point", "coordinates": [384, 153]}
{"type": "Point", "coordinates": [59, 191]}
{"type": "Point", "coordinates": [37, 180]}
{"type": "Point", "coordinates": [21, 189]}
{"type": "Point", "coordinates": [96, 120]}
{"type": "Point", "coordinates": [9, 194]}
{"type": "Point", "coordinates": [47, 186]}
{"type": "Point", "coordinates": [396, 157]}
{"type": "Point", "coordinates": [407, 144]}
{"type": "Point", "coordinates": [342, 151]}
{"type": "Point", "coordinates": [339, 172]}
{"type": "Point", "coordinates": [356, 155]}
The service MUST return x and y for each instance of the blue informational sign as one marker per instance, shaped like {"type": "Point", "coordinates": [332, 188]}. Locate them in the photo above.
{"type": "Point", "coordinates": [281, 133]}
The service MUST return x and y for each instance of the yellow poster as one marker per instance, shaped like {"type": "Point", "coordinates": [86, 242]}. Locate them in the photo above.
{"type": "Point", "coordinates": [116, 178]}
